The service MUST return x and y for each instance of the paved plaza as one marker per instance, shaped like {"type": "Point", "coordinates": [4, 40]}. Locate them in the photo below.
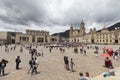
{"type": "Point", "coordinates": [51, 65]}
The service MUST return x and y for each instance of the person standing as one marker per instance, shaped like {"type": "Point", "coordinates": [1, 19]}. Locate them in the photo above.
{"type": "Point", "coordinates": [2, 66]}
{"type": "Point", "coordinates": [32, 53]}
{"type": "Point", "coordinates": [81, 77]}
{"type": "Point", "coordinates": [81, 50]}
{"type": "Point", "coordinates": [72, 64]}
{"type": "Point", "coordinates": [84, 52]}
{"type": "Point", "coordinates": [87, 76]}
{"type": "Point", "coordinates": [50, 49]}
{"type": "Point", "coordinates": [96, 53]}
{"type": "Point", "coordinates": [67, 63]}
{"type": "Point", "coordinates": [18, 61]}
{"type": "Point", "coordinates": [42, 54]}
{"type": "Point", "coordinates": [115, 55]}
{"type": "Point", "coordinates": [21, 49]}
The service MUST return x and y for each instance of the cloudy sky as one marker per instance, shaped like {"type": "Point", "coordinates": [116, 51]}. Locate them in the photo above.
{"type": "Point", "coordinates": [57, 15]}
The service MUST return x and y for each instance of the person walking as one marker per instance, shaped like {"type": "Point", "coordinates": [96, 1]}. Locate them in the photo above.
{"type": "Point", "coordinates": [32, 64]}
{"type": "Point", "coordinates": [36, 65]}
{"type": "Point", "coordinates": [18, 61]}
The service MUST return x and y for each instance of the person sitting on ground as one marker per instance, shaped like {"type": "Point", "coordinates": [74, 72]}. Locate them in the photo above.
{"type": "Point", "coordinates": [108, 62]}
{"type": "Point", "coordinates": [110, 72]}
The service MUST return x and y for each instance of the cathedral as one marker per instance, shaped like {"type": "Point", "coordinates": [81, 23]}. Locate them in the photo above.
{"type": "Point", "coordinates": [103, 36]}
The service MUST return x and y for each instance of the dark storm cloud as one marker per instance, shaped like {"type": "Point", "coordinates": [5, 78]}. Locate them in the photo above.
{"type": "Point", "coordinates": [22, 12]}
{"type": "Point", "coordinates": [58, 12]}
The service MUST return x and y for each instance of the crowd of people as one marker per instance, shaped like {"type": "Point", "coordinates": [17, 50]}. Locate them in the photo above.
{"type": "Point", "coordinates": [68, 62]}
{"type": "Point", "coordinates": [32, 63]}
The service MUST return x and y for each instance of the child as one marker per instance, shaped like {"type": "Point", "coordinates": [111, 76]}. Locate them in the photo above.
{"type": "Point", "coordinates": [72, 64]}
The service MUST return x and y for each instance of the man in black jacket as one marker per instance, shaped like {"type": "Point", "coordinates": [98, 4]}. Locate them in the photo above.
{"type": "Point", "coordinates": [18, 61]}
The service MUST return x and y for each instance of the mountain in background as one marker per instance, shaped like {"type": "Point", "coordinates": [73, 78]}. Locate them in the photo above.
{"type": "Point", "coordinates": [63, 34]}
{"type": "Point", "coordinates": [66, 33]}
{"type": "Point", "coordinates": [113, 26]}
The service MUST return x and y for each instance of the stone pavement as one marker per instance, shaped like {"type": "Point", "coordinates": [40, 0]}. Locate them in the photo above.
{"type": "Point", "coordinates": [51, 66]}
{"type": "Point", "coordinates": [116, 77]}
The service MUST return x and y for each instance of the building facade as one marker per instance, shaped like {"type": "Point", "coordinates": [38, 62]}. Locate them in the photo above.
{"type": "Point", "coordinates": [103, 36]}
{"type": "Point", "coordinates": [7, 37]}
{"type": "Point", "coordinates": [35, 36]}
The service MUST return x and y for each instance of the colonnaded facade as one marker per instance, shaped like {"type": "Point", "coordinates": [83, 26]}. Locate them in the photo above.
{"type": "Point", "coordinates": [103, 36]}
{"type": "Point", "coordinates": [35, 36]}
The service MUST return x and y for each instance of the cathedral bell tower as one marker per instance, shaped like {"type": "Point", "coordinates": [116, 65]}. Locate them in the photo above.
{"type": "Point", "coordinates": [71, 31]}
{"type": "Point", "coordinates": [82, 28]}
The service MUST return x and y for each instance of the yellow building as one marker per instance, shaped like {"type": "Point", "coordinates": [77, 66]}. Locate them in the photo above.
{"type": "Point", "coordinates": [7, 37]}
{"type": "Point", "coordinates": [35, 36]}
{"type": "Point", "coordinates": [103, 36]}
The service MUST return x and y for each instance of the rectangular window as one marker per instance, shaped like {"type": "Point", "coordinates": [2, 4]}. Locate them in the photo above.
{"type": "Point", "coordinates": [20, 38]}
{"type": "Point", "coordinates": [103, 40]}
{"type": "Point", "coordinates": [106, 40]}
{"type": "Point", "coordinates": [110, 40]}
{"type": "Point", "coordinates": [24, 38]}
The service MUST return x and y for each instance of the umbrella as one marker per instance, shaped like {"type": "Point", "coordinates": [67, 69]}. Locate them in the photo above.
{"type": "Point", "coordinates": [109, 50]}
{"type": "Point", "coordinates": [105, 55]}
